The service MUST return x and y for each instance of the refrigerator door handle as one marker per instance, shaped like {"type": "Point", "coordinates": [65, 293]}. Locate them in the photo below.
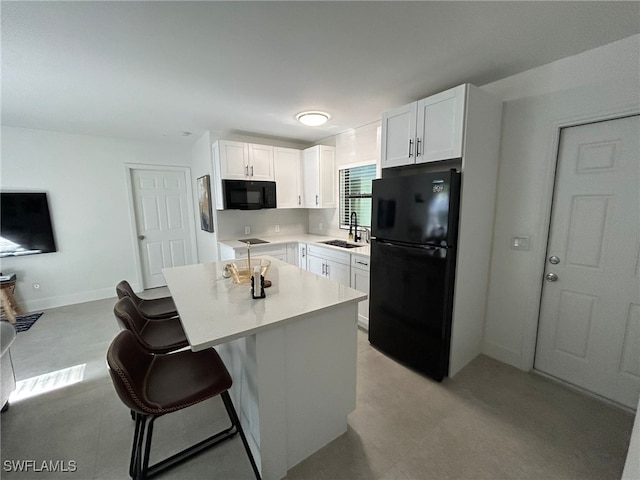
{"type": "Point", "coordinates": [422, 247]}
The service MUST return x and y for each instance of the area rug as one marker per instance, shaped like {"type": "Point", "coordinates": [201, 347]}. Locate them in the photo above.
{"type": "Point", "coordinates": [25, 322]}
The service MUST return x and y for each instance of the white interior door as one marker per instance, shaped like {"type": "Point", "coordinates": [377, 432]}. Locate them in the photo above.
{"type": "Point", "coordinates": [589, 329]}
{"type": "Point", "coordinates": [165, 237]}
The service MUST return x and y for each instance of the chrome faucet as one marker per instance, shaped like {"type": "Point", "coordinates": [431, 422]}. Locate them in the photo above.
{"type": "Point", "coordinates": [354, 224]}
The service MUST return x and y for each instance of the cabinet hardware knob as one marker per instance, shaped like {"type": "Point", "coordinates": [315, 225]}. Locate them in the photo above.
{"type": "Point", "coordinates": [252, 170]}
{"type": "Point", "coordinates": [410, 148]}
{"type": "Point", "coordinates": [141, 237]}
{"type": "Point", "coordinates": [417, 147]}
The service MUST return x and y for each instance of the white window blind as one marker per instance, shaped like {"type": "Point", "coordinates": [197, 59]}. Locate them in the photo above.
{"type": "Point", "coordinates": [355, 194]}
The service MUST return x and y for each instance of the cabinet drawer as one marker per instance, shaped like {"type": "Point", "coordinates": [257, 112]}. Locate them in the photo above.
{"type": "Point", "coordinates": [341, 257]}
{"type": "Point", "coordinates": [360, 261]}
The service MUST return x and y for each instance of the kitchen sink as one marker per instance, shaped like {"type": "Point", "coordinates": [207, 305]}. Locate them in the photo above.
{"type": "Point", "coordinates": [340, 243]}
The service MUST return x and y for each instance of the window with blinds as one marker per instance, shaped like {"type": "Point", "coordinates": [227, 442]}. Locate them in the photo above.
{"type": "Point", "coordinates": [355, 194]}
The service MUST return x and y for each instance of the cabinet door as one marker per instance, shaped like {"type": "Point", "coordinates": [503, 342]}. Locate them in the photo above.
{"type": "Point", "coordinates": [260, 162]}
{"type": "Point", "coordinates": [398, 136]}
{"type": "Point", "coordinates": [316, 265]}
{"type": "Point", "coordinates": [310, 176]}
{"type": "Point", "coordinates": [328, 174]}
{"type": "Point", "coordinates": [338, 272]}
{"type": "Point", "coordinates": [441, 125]}
{"type": "Point", "coordinates": [302, 256]}
{"type": "Point", "coordinates": [360, 282]}
{"type": "Point", "coordinates": [233, 160]}
{"type": "Point", "coordinates": [287, 166]}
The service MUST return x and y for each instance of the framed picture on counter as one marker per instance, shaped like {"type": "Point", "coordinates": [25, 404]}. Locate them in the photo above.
{"type": "Point", "coordinates": [204, 203]}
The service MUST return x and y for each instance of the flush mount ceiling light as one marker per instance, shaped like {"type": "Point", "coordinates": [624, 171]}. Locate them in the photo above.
{"type": "Point", "coordinates": [313, 118]}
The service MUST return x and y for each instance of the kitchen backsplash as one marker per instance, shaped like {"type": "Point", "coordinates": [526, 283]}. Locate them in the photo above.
{"type": "Point", "coordinates": [232, 223]}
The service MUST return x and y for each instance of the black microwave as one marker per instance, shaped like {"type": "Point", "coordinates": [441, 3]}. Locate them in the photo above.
{"type": "Point", "coordinates": [248, 195]}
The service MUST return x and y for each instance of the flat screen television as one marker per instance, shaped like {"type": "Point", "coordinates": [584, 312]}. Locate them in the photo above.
{"type": "Point", "coordinates": [25, 224]}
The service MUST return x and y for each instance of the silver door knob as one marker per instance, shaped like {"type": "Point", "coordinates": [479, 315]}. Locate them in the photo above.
{"type": "Point", "coordinates": [551, 277]}
{"type": "Point", "coordinates": [141, 237]}
{"type": "Point", "coordinates": [554, 260]}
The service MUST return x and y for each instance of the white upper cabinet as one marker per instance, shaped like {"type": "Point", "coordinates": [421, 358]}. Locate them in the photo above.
{"type": "Point", "coordinates": [399, 135]}
{"type": "Point", "coordinates": [287, 164]}
{"type": "Point", "coordinates": [245, 161]}
{"type": "Point", "coordinates": [440, 125]}
{"type": "Point", "coordinates": [319, 177]}
{"type": "Point", "coordinates": [428, 130]}
{"type": "Point", "coordinates": [260, 162]}
{"type": "Point", "coordinates": [233, 158]}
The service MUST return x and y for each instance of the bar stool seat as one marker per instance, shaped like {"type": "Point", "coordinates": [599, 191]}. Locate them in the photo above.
{"type": "Point", "coordinates": [153, 308]}
{"type": "Point", "coordinates": [152, 385]}
{"type": "Point", "coordinates": [156, 336]}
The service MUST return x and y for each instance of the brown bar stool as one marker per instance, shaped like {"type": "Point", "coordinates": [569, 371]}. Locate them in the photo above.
{"type": "Point", "coordinates": [154, 385]}
{"type": "Point", "coordinates": [156, 336]}
{"type": "Point", "coordinates": [154, 309]}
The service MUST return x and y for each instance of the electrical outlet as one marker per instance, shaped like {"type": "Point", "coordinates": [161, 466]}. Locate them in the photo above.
{"type": "Point", "coordinates": [277, 228]}
{"type": "Point", "coordinates": [247, 230]}
{"type": "Point", "coordinates": [320, 226]}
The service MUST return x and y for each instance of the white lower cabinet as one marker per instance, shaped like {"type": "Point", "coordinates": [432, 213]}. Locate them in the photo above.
{"type": "Point", "coordinates": [292, 254]}
{"type": "Point", "coordinates": [302, 256]}
{"type": "Point", "coordinates": [360, 282]}
{"type": "Point", "coordinates": [331, 264]}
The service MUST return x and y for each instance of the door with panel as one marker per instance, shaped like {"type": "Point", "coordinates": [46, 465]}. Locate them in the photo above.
{"type": "Point", "coordinates": [260, 162]}
{"type": "Point", "coordinates": [398, 136]}
{"type": "Point", "coordinates": [589, 326]}
{"type": "Point", "coordinates": [165, 234]}
{"type": "Point", "coordinates": [234, 160]}
{"type": "Point", "coordinates": [288, 174]}
{"type": "Point", "coordinates": [440, 125]}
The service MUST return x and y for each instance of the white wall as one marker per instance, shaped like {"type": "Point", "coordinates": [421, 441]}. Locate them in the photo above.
{"type": "Point", "coordinates": [201, 165]}
{"type": "Point", "coordinates": [593, 85]}
{"type": "Point", "coordinates": [84, 177]}
{"type": "Point", "coordinates": [358, 145]}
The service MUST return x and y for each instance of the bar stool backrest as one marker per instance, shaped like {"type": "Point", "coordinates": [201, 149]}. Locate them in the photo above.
{"type": "Point", "coordinates": [123, 289]}
{"type": "Point", "coordinates": [128, 365]}
{"type": "Point", "coordinates": [129, 318]}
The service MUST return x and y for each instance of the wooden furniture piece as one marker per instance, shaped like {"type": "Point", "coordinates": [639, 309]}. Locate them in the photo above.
{"type": "Point", "coordinates": [9, 304]}
{"type": "Point", "coordinates": [152, 385]}
{"type": "Point", "coordinates": [293, 354]}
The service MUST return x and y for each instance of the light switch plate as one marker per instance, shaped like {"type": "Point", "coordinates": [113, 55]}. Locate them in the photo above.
{"type": "Point", "coordinates": [520, 243]}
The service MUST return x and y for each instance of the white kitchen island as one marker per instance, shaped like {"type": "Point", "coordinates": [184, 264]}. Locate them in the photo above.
{"type": "Point", "coordinates": [292, 355]}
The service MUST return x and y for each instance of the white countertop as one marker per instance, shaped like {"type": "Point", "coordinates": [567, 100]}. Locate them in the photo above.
{"type": "Point", "coordinates": [214, 310]}
{"type": "Point", "coordinates": [301, 238]}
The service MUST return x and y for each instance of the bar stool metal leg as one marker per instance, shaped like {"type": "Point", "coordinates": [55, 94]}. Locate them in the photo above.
{"type": "Point", "coordinates": [236, 422]}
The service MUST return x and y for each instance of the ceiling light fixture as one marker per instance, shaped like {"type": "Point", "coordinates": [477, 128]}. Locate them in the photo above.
{"type": "Point", "coordinates": [313, 118]}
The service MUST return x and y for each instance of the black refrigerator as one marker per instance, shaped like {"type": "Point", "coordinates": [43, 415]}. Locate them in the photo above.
{"type": "Point", "coordinates": [413, 258]}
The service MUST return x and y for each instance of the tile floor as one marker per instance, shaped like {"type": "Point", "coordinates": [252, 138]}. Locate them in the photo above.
{"type": "Point", "coordinates": [491, 421]}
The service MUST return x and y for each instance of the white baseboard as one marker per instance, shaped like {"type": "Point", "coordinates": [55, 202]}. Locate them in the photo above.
{"type": "Point", "coordinates": [61, 301]}
{"type": "Point", "coordinates": [502, 354]}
